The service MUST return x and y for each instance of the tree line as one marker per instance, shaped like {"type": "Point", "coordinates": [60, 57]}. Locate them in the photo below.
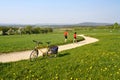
{"type": "Point", "coordinates": [4, 30]}
{"type": "Point", "coordinates": [115, 26]}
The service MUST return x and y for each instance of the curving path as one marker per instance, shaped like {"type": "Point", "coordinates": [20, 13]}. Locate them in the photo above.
{"type": "Point", "coordinates": [16, 56]}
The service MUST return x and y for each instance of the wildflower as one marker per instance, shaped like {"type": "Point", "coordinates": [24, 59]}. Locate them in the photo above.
{"type": "Point", "coordinates": [115, 66]}
{"type": "Point", "coordinates": [111, 74]}
{"type": "Point", "coordinates": [117, 72]}
{"type": "Point", "coordinates": [105, 68]}
{"type": "Point", "coordinates": [14, 74]}
{"type": "Point", "coordinates": [76, 78]}
{"type": "Point", "coordinates": [30, 71]}
{"type": "Point", "coordinates": [90, 78]}
{"type": "Point", "coordinates": [90, 67]}
{"type": "Point", "coordinates": [41, 77]}
{"type": "Point", "coordinates": [56, 77]}
{"type": "Point", "coordinates": [26, 76]}
{"type": "Point", "coordinates": [32, 75]}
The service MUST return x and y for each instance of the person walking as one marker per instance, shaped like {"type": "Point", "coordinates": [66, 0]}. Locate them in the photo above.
{"type": "Point", "coordinates": [66, 35]}
{"type": "Point", "coordinates": [75, 37]}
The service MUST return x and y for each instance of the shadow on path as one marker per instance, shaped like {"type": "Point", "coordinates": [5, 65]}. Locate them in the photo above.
{"type": "Point", "coordinates": [63, 54]}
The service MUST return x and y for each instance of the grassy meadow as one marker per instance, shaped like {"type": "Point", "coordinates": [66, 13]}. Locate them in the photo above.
{"type": "Point", "coordinates": [96, 61]}
{"type": "Point", "coordinates": [14, 43]}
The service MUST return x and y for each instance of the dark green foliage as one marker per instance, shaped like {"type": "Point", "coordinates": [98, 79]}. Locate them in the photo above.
{"type": "Point", "coordinates": [116, 25]}
{"type": "Point", "coordinates": [24, 30]}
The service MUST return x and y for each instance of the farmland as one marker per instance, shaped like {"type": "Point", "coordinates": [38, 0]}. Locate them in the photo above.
{"type": "Point", "coordinates": [96, 61]}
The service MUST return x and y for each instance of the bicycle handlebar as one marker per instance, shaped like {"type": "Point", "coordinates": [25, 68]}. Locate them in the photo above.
{"type": "Point", "coordinates": [48, 42]}
{"type": "Point", "coordinates": [37, 42]}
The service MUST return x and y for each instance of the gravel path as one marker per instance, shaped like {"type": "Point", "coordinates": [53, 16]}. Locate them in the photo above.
{"type": "Point", "coordinates": [16, 56]}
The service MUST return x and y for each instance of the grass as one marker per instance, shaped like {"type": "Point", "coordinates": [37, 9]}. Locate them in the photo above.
{"type": "Point", "coordinates": [14, 43]}
{"type": "Point", "coordinates": [96, 61]}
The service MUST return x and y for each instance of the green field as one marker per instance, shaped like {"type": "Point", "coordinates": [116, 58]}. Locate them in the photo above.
{"type": "Point", "coordinates": [96, 61]}
{"type": "Point", "coordinates": [14, 43]}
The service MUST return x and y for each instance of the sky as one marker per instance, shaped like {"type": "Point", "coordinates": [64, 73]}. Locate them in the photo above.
{"type": "Point", "coordinates": [59, 11]}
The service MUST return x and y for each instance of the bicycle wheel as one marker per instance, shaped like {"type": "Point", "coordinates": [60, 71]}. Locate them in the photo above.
{"type": "Point", "coordinates": [33, 55]}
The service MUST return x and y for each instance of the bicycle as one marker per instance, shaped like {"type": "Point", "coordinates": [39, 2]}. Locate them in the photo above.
{"type": "Point", "coordinates": [37, 49]}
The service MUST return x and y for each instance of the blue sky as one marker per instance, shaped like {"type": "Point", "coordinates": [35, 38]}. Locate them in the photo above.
{"type": "Point", "coordinates": [59, 11]}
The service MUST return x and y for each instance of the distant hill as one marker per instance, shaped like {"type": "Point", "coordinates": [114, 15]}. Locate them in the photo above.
{"type": "Point", "coordinates": [94, 24]}
{"type": "Point", "coordinates": [60, 25]}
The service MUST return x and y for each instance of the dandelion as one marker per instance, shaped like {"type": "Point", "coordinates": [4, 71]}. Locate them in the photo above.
{"type": "Point", "coordinates": [32, 75]}
{"type": "Point", "coordinates": [76, 79]}
{"type": "Point", "coordinates": [30, 71]}
{"type": "Point", "coordinates": [115, 66]}
{"type": "Point", "coordinates": [90, 78]}
{"type": "Point", "coordinates": [14, 74]}
{"type": "Point", "coordinates": [56, 77]}
{"type": "Point", "coordinates": [105, 68]}
{"type": "Point", "coordinates": [111, 74]}
{"type": "Point", "coordinates": [90, 67]}
{"type": "Point", "coordinates": [118, 73]}
{"type": "Point", "coordinates": [27, 77]}
{"type": "Point", "coordinates": [71, 78]}
{"type": "Point", "coordinates": [41, 77]}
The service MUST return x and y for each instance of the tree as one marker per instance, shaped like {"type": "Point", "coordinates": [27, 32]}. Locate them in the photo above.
{"type": "Point", "coordinates": [50, 29]}
{"type": "Point", "coordinates": [36, 30]}
{"type": "Point", "coordinates": [20, 31]}
{"type": "Point", "coordinates": [4, 30]}
{"type": "Point", "coordinates": [115, 25]}
{"type": "Point", "coordinates": [28, 29]}
{"type": "Point", "coordinates": [10, 31]}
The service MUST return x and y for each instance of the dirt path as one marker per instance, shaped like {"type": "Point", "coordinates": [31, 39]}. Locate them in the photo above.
{"type": "Point", "coordinates": [16, 56]}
